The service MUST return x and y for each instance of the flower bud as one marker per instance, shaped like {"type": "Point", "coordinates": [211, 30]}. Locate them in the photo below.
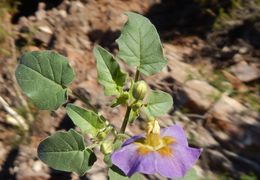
{"type": "Point", "coordinates": [101, 135]}
{"type": "Point", "coordinates": [106, 147]}
{"type": "Point", "coordinates": [136, 106]}
{"type": "Point", "coordinates": [140, 90]}
{"type": "Point", "coordinates": [125, 95]}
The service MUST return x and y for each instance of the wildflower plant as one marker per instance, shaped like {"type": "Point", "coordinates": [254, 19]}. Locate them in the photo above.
{"type": "Point", "coordinates": [44, 76]}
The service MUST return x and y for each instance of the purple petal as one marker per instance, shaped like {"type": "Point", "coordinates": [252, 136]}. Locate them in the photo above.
{"type": "Point", "coordinates": [179, 163]}
{"type": "Point", "coordinates": [126, 158]}
{"type": "Point", "coordinates": [144, 165]}
{"type": "Point", "coordinates": [132, 139]}
{"type": "Point", "coordinates": [177, 133]}
{"type": "Point", "coordinates": [129, 161]}
{"type": "Point", "coordinates": [174, 166]}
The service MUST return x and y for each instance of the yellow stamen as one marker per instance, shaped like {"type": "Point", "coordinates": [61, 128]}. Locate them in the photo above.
{"type": "Point", "coordinates": [153, 127]}
{"type": "Point", "coordinates": [153, 142]}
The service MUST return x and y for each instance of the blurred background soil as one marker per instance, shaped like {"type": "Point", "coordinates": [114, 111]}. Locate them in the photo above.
{"type": "Point", "coordinates": [212, 47]}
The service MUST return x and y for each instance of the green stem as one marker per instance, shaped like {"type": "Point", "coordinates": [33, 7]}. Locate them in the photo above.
{"type": "Point", "coordinates": [83, 99]}
{"type": "Point", "coordinates": [124, 124]}
{"type": "Point", "coordinates": [128, 110]}
{"type": "Point", "coordinates": [137, 74]}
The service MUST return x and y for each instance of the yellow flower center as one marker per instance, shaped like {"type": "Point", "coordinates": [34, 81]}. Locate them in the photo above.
{"type": "Point", "coordinates": [153, 142]}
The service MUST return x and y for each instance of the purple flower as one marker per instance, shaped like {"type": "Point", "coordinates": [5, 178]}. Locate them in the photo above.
{"type": "Point", "coordinates": [166, 153]}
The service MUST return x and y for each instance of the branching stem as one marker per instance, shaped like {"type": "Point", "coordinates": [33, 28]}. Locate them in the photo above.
{"type": "Point", "coordinates": [129, 108]}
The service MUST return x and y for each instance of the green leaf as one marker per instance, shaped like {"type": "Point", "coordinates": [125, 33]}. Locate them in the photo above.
{"type": "Point", "coordinates": [115, 173]}
{"type": "Point", "coordinates": [191, 175]}
{"type": "Point", "coordinates": [158, 103]}
{"type": "Point", "coordinates": [140, 45]}
{"type": "Point", "coordinates": [66, 151]}
{"type": "Point", "coordinates": [109, 73]}
{"type": "Point", "coordinates": [88, 121]}
{"type": "Point", "coordinates": [44, 76]}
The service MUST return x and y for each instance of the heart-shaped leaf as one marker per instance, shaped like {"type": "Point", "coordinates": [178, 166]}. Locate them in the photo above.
{"type": "Point", "coordinates": [158, 103]}
{"type": "Point", "coordinates": [88, 121]}
{"type": "Point", "coordinates": [44, 76]}
{"type": "Point", "coordinates": [66, 151]}
{"type": "Point", "coordinates": [109, 73]}
{"type": "Point", "coordinates": [140, 45]}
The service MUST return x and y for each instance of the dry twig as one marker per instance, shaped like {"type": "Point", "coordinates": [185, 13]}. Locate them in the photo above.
{"type": "Point", "coordinates": [20, 121]}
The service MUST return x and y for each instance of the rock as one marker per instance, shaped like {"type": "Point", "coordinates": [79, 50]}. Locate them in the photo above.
{"type": "Point", "coordinates": [45, 29]}
{"type": "Point", "coordinates": [41, 6]}
{"type": "Point", "coordinates": [226, 49]}
{"type": "Point", "coordinates": [32, 18]}
{"type": "Point", "coordinates": [40, 15]}
{"type": "Point", "coordinates": [238, 58]}
{"type": "Point", "coordinates": [176, 52]}
{"type": "Point", "coordinates": [243, 50]}
{"type": "Point", "coordinates": [180, 71]}
{"type": "Point", "coordinates": [44, 34]}
{"type": "Point", "coordinates": [236, 83]}
{"type": "Point", "coordinates": [26, 167]}
{"type": "Point", "coordinates": [75, 6]}
{"type": "Point", "coordinates": [3, 153]}
{"type": "Point", "coordinates": [63, 13]}
{"type": "Point", "coordinates": [24, 22]}
{"type": "Point", "coordinates": [245, 72]}
{"type": "Point", "coordinates": [229, 119]}
{"type": "Point", "coordinates": [200, 95]}
{"type": "Point", "coordinates": [43, 37]}
{"type": "Point", "coordinates": [37, 166]}
{"type": "Point", "coordinates": [202, 137]}
{"type": "Point", "coordinates": [217, 160]}
{"type": "Point", "coordinates": [230, 110]}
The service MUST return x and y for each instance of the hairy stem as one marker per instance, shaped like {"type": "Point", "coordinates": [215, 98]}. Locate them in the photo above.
{"type": "Point", "coordinates": [83, 99]}
{"type": "Point", "coordinates": [128, 110]}
{"type": "Point", "coordinates": [137, 74]}
{"type": "Point", "coordinates": [124, 124]}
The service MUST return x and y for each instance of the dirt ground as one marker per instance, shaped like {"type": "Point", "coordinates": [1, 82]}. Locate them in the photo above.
{"type": "Point", "coordinates": [212, 74]}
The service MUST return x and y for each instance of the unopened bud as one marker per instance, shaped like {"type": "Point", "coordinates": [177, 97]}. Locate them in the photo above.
{"type": "Point", "coordinates": [125, 95]}
{"type": "Point", "coordinates": [137, 105]}
{"type": "Point", "coordinates": [101, 135]}
{"type": "Point", "coordinates": [106, 147]}
{"type": "Point", "coordinates": [140, 90]}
